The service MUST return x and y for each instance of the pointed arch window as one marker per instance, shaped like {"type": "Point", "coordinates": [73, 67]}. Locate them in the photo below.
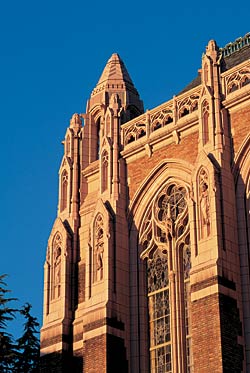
{"type": "Point", "coordinates": [56, 267]}
{"type": "Point", "coordinates": [108, 126]}
{"type": "Point", "coordinates": [159, 312]}
{"type": "Point", "coordinates": [165, 239]}
{"type": "Point", "coordinates": [98, 127]}
{"type": "Point", "coordinates": [68, 145]}
{"type": "Point", "coordinates": [105, 162]}
{"type": "Point", "coordinates": [64, 190]}
{"type": "Point", "coordinates": [205, 122]}
{"type": "Point", "coordinates": [205, 73]}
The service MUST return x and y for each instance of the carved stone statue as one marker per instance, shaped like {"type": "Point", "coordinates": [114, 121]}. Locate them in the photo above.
{"type": "Point", "coordinates": [57, 272]}
{"type": "Point", "coordinates": [99, 256]}
{"type": "Point", "coordinates": [204, 203]}
{"type": "Point", "coordinates": [205, 210]}
{"type": "Point", "coordinates": [98, 249]}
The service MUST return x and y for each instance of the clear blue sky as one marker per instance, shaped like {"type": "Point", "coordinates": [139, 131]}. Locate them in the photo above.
{"type": "Point", "coordinates": [51, 56]}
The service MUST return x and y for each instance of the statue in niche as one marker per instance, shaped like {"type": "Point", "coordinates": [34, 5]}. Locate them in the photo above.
{"type": "Point", "coordinates": [57, 272]}
{"type": "Point", "coordinates": [99, 250]}
{"type": "Point", "coordinates": [204, 202]}
{"type": "Point", "coordinates": [99, 256]}
{"type": "Point", "coordinates": [204, 205]}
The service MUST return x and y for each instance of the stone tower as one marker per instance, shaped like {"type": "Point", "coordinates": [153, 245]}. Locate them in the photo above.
{"type": "Point", "coordinates": [147, 266]}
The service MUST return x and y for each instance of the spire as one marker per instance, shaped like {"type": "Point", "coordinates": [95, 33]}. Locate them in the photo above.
{"type": "Point", "coordinates": [114, 78]}
{"type": "Point", "coordinates": [115, 70]}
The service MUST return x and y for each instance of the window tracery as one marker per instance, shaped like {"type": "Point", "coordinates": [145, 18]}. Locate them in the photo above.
{"type": "Point", "coordinates": [136, 131]}
{"type": "Point", "coordinates": [238, 80]}
{"type": "Point", "coordinates": [161, 118]}
{"type": "Point", "coordinates": [188, 105]}
{"type": "Point", "coordinates": [159, 312]}
{"type": "Point", "coordinates": [165, 240]}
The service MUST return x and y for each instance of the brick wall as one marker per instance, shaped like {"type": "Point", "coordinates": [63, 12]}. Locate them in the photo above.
{"type": "Point", "coordinates": [94, 355]}
{"type": "Point", "coordinates": [104, 354]}
{"type": "Point", "coordinates": [57, 362]}
{"type": "Point", "coordinates": [231, 328]}
{"type": "Point", "coordinates": [206, 335]}
{"type": "Point", "coordinates": [240, 124]}
{"type": "Point", "coordinates": [215, 329]}
{"type": "Point", "coordinates": [186, 150]}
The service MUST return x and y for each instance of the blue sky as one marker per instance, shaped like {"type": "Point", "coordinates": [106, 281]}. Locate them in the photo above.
{"type": "Point", "coordinates": [51, 56]}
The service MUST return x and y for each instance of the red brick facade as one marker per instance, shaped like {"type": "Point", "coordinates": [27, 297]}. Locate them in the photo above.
{"type": "Point", "coordinates": [147, 264]}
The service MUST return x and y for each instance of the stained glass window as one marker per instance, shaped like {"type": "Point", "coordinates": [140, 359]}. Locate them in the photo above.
{"type": "Point", "coordinates": [165, 240]}
{"type": "Point", "coordinates": [159, 313]}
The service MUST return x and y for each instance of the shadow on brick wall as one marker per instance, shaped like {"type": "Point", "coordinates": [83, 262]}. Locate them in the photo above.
{"type": "Point", "coordinates": [61, 363]}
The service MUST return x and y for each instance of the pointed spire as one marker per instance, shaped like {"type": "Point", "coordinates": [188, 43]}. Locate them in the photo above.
{"type": "Point", "coordinates": [114, 76]}
{"type": "Point", "coordinates": [115, 79]}
{"type": "Point", "coordinates": [115, 70]}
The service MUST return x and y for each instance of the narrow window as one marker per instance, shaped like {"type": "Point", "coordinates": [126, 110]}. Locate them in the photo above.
{"type": "Point", "coordinates": [205, 122]}
{"type": "Point", "coordinates": [104, 175]}
{"type": "Point", "coordinates": [64, 190]}
{"type": "Point", "coordinates": [159, 313]}
{"type": "Point", "coordinates": [98, 127]}
{"type": "Point", "coordinates": [68, 146]}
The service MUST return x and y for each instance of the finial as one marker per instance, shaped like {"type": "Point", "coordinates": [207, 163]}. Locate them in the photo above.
{"type": "Point", "coordinates": [76, 121]}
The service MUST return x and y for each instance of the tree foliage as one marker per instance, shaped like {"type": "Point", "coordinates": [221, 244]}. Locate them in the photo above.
{"type": "Point", "coordinates": [21, 355]}
{"type": "Point", "coordinates": [7, 314]}
{"type": "Point", "coordinates": [28, 344]}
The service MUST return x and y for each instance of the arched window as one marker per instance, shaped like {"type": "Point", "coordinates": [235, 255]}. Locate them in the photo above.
{"type": "Point", "coordinates": [159, 312]}
{"type": "Point", "coordinates": [165, 239]}
{"type": "Point", "coordinates": [105, 162]}
{"type": "Point", "coordinates": [64, 190]}
{"type": "Point", "coordinates": [205, 121]}
{"type": "Point", "coordinates": [68, 146]}
{"type": "Point", "coordinates": [98, 127]}
{"type": "Point", "coordinates": [205, 73]}
{"type": "Point", "coordinates": [108, 126]}
{"type": "Point", "coordinates": [56, 267]}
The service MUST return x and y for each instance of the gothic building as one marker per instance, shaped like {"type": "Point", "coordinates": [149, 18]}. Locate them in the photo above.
{"type": "Point", "coordinates": [148, 262]}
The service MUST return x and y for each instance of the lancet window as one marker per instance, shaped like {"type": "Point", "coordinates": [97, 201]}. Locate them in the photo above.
{"type": "Point", "coordinates": [68, 145]}
{"type": "Point", "coordinates": [105, 163]}
{"type": "Point", "coordinates": [205, 121]}
{"type": "Point", "coordinates": [108, 126]}
{"type": "Point", "coordinates": [165, 239]}
{"type": "Point", "coordinates": [64, 190]}
{"type": "Point", "coordinates": [98, 127]}
{"type": "Point", "coordinates": [56, 267]}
